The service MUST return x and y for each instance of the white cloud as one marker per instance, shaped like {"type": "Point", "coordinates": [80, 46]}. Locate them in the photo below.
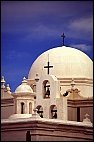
{"type": "Point", "coordinates": [83, 24]}
{"type": "Point", "coordinates": [41, 31]}
{"type": "Point", "coordinates": [82, 47]}
{"type": "Point", "coordinates": [45, 30]}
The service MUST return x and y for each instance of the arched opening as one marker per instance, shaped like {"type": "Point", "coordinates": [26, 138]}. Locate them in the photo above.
{"type": "Point", "coordinates": [30, 108]}
{"type": "Point", "coordinates": [40, 111]}
{"type": "Point", "coordinates": [22, 107]}
{"type": "Point", "coordinates": [78, 114]}
{"type": "Point", "coordinates": [46, 89]}
{"type": "Point", "coordinates": [53, 112]}
{"type": "Point", "coordinates": [28, 136]}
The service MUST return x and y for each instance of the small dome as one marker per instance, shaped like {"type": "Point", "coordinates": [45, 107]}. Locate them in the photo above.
{"type": "Point", "coordinates": [24, 87]}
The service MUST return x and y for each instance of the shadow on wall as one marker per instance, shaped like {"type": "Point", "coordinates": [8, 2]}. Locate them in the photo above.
{"type": "Point", "coordinates": [28, 136]}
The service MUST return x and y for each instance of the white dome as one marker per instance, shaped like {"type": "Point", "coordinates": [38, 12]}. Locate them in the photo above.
{"type": "Point", "coordinates": [67, 62]}
{"type": "Point", "coordinates": [24, 87]}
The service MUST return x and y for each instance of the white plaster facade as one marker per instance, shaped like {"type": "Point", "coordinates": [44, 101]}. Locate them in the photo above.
{"type": "Point", "coordinates": [54, 98]}
{"type": "Point", "coordinates": [68, 63]}
{"type": "Point", "coordinates": [72, 73]}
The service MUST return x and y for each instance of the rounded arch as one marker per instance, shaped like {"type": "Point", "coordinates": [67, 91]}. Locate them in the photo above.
{"type": "Point", "coordinates": [22, 107]}
{"type": "Point", "coordinates": [40, 110]}
{"type": "Point", "coordinates": [53, 112]}
{"type": "Point", "coordinates": [46, 89]}
{"type": "Point", "coordinates": [30, 108]}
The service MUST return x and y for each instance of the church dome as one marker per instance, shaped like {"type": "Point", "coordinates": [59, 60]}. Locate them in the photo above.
{"type": "Point", "coordinates": [67, 62]}
{"type": "Point", "coordinates": [24, 87]}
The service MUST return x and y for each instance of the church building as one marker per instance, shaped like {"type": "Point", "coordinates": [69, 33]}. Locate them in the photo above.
{"type": "Point", "coordinates": [55, 102]}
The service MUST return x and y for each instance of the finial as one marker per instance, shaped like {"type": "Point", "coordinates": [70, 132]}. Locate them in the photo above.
{"type": "Point", "coordinates": [24, 80]}
{"type": "Point", "coordinates": [35, 110]}
{"type": "Point", "coordinates": [72, 84]}
{"type": "Point", "coordinates": [2, 79]}
{"type": "Point", "coordinates": [37, 78]}
{"type": "Point", "coordinates": [8, 87]}
{"type": "Point", "coordinates": [63, 36]}
{"type": "Point", "coordinates": [2, 82]}
{"type": "Point", "coordinates": [86, 115]}
{"type": "Point", "coordinates": [35, 114]}
{"type": "Point", "coordinates": [87, 120]}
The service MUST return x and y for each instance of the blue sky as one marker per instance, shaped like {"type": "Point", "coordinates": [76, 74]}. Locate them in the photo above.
{"type": "Point", "coordinates": [28, 28]}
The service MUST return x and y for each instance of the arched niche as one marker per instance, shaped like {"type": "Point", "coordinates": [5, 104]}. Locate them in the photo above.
{"type": "Point", "coordinates": [22, 108]}
{"type": "Point", "coordinates": [46, 89]}
{"type": "Point", "coordinates": [30, 108]}
{"type": "Point", "coordinates": [53, 112]}
{"type": "Point", "coordinates": [40, 111]}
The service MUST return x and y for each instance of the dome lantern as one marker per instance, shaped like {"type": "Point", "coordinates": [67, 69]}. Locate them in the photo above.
{"type": "Point", "coordinates": [24, 87]}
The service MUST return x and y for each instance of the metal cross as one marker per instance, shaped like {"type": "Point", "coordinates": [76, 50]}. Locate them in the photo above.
{"type": "Point", "coordinates": [63, 36]}
{"type": "Point", "coordinates": [48, 66]}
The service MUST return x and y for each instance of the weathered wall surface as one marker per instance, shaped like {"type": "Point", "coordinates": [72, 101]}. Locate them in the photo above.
{"type": "Point", "coordinates": [45, 131]}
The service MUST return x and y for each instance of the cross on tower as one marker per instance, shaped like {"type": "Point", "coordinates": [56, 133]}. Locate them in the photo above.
{"type": "Point", "coordinates": [48, 66]}
{"type": "Point", "coordinates": [63, 36]}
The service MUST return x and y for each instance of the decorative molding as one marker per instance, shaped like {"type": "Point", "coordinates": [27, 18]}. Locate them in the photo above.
{"type": "Point", "coordinates": [84, 103]}
{"type": "Point", "coordinates": [7, 101]}
{"type": "Point", "coordinates": [49, 128]}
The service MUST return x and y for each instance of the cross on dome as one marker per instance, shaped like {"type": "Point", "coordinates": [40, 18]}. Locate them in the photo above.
{"type": "Point", "coordinates": [48, 66]}
{"type": "Point", "coordinates": [63, 36]}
